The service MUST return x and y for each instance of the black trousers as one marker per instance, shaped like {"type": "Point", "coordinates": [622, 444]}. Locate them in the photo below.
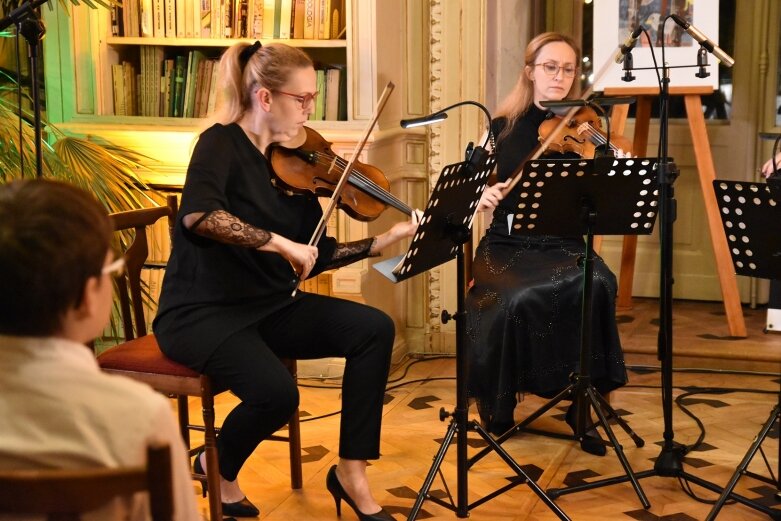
{"type": "Point", "coordinates": [315, 326]}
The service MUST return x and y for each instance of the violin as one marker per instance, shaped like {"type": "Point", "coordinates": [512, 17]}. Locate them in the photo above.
{"type": "Point", "coordinates": [307, 164]}
{"type": "Point", "coordinates": [582, 134]}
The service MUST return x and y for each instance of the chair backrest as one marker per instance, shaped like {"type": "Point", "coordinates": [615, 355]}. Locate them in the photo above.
{"type": "Point", "coordinates": [129, 288]}
{"type": "Point", "coordinates": [63, 495]}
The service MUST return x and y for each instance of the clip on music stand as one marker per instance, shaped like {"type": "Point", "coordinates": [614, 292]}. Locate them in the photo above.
{"type": "Point", "coordinates": [750, 214]}
{"type": "Point", "coordinates": [443, 229]}
{"type": "Point", "coordinates": [575, 197]}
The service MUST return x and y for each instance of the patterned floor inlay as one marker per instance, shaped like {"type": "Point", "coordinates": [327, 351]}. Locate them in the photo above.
{"type": "Point", "coordinates": [413, 432]}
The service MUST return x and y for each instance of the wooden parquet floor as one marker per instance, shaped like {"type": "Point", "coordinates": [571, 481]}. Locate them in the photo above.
{"type": "Point", "coordinates": [731, 407]}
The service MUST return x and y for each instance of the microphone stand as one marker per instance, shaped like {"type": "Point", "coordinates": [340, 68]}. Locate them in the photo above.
{"type": "Point", "coordinates": [30, 27]}
{"type": "Point", "coordinates": [669, 463]}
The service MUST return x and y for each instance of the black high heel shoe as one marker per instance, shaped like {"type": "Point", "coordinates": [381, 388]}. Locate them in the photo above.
{"type": "Point", "coordinates": [243, 508]}
{"type": "Point", "coordinates": [338, 492]}
{"type": "Point", "coordinates": [592, 442]}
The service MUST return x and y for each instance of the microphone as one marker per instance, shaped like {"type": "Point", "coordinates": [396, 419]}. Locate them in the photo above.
{"type": "Point", "coordinates": [703, 40]}
{"type": "Point", "coordinates": [628, 45]}
{"type": "Point", "coordinates": [425, 120]}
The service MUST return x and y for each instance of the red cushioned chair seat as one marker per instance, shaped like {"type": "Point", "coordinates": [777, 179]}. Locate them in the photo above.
{"type": "Point", "coordinates": [143, 355]}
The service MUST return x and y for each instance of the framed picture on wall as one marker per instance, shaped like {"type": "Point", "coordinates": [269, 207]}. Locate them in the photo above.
{"type": "Point", "coordinates": [614, 21]}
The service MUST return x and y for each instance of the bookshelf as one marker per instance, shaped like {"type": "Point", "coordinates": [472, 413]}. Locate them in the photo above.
{"type": "Point", "coordinates": [138, 71]}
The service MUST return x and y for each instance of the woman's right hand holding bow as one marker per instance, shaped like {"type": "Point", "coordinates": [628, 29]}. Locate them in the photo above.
{"type": "Point", "coordinates": [492, 195]}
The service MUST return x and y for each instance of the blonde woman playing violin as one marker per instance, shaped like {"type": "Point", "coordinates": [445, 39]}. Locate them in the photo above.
{"type": "Point", "coordinates": [226, 308]}
{"type": "Point", "coordinates": [524, 307]}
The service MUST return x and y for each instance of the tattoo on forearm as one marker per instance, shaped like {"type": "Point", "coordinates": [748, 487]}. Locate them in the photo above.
{"type": "Point", "coordinates": [349, 252]}
{"type": "Point", "coordinates": [224, 227]}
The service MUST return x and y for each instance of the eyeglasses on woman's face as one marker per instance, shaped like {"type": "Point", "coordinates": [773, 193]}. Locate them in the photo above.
{"type": "Point", "coordinates": [115, 268]}
{"type": "Point", "coordinates": [305, 100]}
{"type": "Point", "coordinates": [552, 69]}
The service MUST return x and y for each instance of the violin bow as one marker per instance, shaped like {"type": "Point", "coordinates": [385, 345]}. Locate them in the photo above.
{"type": "Point", "coordinates": [333, 201]}
{"type": "Point", "coordinates": [518, 174]}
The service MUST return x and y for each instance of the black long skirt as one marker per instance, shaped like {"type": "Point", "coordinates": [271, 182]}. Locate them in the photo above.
{"type": "Point", "coordinates": [523, 323]}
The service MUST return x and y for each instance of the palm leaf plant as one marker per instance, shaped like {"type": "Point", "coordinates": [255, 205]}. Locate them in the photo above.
{"type": "Point", "coordinates": [110, 172]}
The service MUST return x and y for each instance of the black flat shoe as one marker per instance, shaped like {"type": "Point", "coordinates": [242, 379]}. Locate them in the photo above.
{"type": "Point", "coordinates": [243, 508]}
{"type": "Point", "coordinates": [592, 442]}
{"type": "Point", "coordinates": [337, 491]}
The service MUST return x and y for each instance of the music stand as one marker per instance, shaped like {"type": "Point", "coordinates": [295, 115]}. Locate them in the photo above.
{"type": "Point", "coordinates": [750, 214]}
{"type": "Point", "coordinates": [575, 197]}
{"type": "Point", "coordinates": [443, 229]}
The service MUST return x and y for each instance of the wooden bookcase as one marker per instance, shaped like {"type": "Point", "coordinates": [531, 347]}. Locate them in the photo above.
{"type": "Point", "coordinates": [80, 50]}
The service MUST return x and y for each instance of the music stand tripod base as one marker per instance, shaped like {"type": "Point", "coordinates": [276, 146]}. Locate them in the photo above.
{"type": "Point", "coordinates": [443, 229]}
{"type": "Point", "coordinates": [749, 213]}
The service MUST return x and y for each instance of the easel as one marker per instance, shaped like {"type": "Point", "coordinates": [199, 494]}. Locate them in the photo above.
{"type": "Point", "coordinates": [707, 174]}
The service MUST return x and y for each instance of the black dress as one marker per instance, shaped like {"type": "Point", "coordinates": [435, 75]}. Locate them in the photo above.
{"type": "Point", "coordinates": [523, 311]}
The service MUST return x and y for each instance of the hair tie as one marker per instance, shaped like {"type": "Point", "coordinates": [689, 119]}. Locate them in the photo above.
{"type": "Point", "coordinates": [247, 53]}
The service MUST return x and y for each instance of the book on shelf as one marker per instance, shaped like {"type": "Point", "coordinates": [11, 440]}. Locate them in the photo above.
{"type": "Point", "coordinates": [319, 112]}
{"type": "Point", "coordinates": [147, 19]}
{"type": "Point", "coordinates": [168, 77]}
{"type": "Point", "coordinates": [170, 18]}
{"type": "Point", "coordinates": [286, 12]}
{"type": "Point", "coordinates": [323, 20]}
{"type": "Point", "coordinates": [158, 19]}
{"type": "Point", "coordinates": [338, 19]}
{"type": "Point", "coordinates": [255, 15]}
{"type": "Point", "coordinates": [194, 59]}
{"type": "Point", "coordinates": [299, 13]}
{"type": "Point", "coordinates": [179, 78]}
{"type": "Point", "coordinates": [268, 19]}
{"type": "Point", "coordinates": [240, 21]}
{"type": "Point", "coordinates": [213, 88]}
{"type": "Point", "coordinates": [189, 28]}
{"type": "Point", "coordinates": [118, 84]}
{"type": "Point", "coordinates": [332, 93]}
{"type": "Point", "coordinates": [116, 21]}
{"type": "Point", "coordinates": [277, 17]}
{"type": "Point", "coordinates": [227, 18]}
{"type": "Point", "coordinates": [130, 82]}
{"type": "Point", "coordinates": [180, 17]}
{"type": "Point", "coordinates": [205, 19]}
{"type": "Point", "coordinates": [198, 96]}
{"type": "Point", "coordinates": [309, 19]}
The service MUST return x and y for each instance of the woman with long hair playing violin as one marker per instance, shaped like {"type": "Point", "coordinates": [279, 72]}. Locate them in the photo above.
{"type": "Point", "coordinates": [524, 308]}
{"type": "Point", "coordinates": [239, 246]}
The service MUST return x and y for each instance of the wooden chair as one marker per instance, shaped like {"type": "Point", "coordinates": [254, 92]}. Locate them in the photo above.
{"type": "Point", "coordinates": [63, 495]}
{"type": "Point", "coordinates": [140, 358]}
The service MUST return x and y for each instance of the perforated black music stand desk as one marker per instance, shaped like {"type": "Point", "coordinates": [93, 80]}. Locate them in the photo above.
{"type": "Point", "coordinates": [576, 197]}
{"type": "Point", "coordinates": [444, 228]}
{"type": "Point", "coordinates": [751, 215]}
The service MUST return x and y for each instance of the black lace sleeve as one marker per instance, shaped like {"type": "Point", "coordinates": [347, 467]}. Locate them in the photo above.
{"type": "Point", "coordinates": [223, 227]}
{"type": "Point", "coordinates": [348, 252]}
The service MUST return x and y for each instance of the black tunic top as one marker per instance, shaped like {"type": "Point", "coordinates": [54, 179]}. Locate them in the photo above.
{"type": "Point", "coordinates": [523, 310]}
{"type": "Point", "coordinates": [211, 289]}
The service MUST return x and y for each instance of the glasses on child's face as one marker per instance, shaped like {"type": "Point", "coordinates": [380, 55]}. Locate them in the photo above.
{"type": "Point", "coordinates": [552, 69]}
{"type": "Point", "coordinates": [305, 100]}
{"type": "Point", "coordinates": [115, 268]}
